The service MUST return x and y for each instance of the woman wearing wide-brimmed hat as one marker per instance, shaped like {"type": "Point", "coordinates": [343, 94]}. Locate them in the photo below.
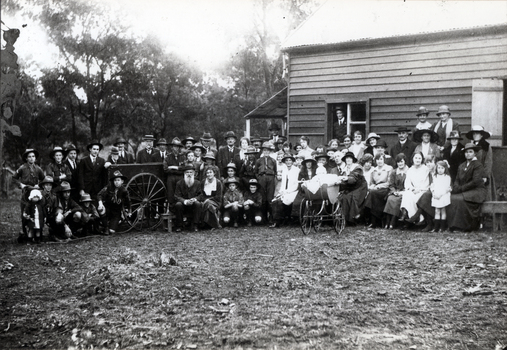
{"type": "Point", "coordinates": [353, 188]}
{"type": "Point", "coordinates": [477, 135]}
{"type": "Point", "coordinates": [57, 168]}
{"type": "Point", "coordinates": [453, 153]}
{"type": "Point", "coordinates": [427, 143]}
{"type": "Point", "coordinates": [468, 193]}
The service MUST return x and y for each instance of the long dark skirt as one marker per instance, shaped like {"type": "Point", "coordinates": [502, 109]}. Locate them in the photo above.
{"type": "Point", "coordinates": [376, 201]}
{"type": "Point", "coordinates": [463, 215]}
{"type": "Point", "coordinates": [211, 213]}
{"type": "Point", "coordinates": [424, 203]}
{"type": "Point", "coordinates": [353, 203]}
{"type": "Point", "coordinates": [393, 205]}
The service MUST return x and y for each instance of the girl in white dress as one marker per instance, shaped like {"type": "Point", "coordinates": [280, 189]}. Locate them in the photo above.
{"type": "Point", "coordinates": [441, 195]}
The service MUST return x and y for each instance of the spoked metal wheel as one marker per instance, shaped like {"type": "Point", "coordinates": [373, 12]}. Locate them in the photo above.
{"type": "Point", "coordinates": [147, 195]}
{"type": "Point", "coordinates": [338, 219]}
{"type": "Point", "coordinates": [306, 216]}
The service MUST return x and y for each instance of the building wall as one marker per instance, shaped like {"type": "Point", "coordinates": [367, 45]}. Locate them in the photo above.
{"type": "Point", "coordinates": [394, 78]}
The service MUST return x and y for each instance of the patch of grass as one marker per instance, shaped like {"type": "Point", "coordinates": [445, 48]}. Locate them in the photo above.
{"type": "Point", "coordinates": [255, 288]}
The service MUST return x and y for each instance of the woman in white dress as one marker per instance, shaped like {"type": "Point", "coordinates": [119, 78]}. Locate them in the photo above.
{"type": "Point", "coordinates": [416, 183]}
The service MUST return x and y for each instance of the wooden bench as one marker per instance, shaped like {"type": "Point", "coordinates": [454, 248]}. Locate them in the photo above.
{"type": "Point", "coordinates": [494, 208]}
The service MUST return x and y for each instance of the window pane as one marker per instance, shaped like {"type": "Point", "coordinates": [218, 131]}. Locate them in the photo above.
{"type": "Point", "coordinates": [357, 112]}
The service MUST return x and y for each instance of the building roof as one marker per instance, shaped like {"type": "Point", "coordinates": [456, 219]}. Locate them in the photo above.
{"type": "Point", "coordinates": [338, 21]}
{"type": "Point", "coordinates": [274, 107]}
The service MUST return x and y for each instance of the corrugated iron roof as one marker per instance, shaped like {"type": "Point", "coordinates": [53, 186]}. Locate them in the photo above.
{"type": "Point", "coordinates": [338, 21]}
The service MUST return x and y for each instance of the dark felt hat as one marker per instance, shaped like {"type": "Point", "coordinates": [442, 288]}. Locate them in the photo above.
{"type": "Point", "coordinates": [198, 145]}
{"type": "Point", "coordinates": [254, 182]}
{"type": "Point", "coordinates": [148, 138]}
{"type": "Point", "coordinates": [115, 150]}
{"type": "Point", "coordinates": [419, 133]}
{"type": "Point", "coordinates": [162, 141]}
{"type": "Point", "coordinates": [402, 129]}
{"type": "Point", "coordinates": [120, 140]}
{"type": "Point", "coordinates": [93, 143]}
{"type": "Point", "coordinates": [189, 138]}
{"type": "Point", "coordinates": [454, 135]}
{"type": "Point", "coordinates": [473, 146]}
{"type": "Point", "coordinates": [381, 143]}
{"type": "Point", "coordinates": [230, 134]}
{"type": "Point", "coordinates": [206, 137]}
{"type": "Point", "coordinates": [188, 167]}
{"type": "Point", "coordinates": [64, 186]}
{"type": "Point", "coordinates": [288, 156]}
{"type": "Point", "coordinates": [231, 180]}
{"type": "Point", "coordinates": [30, 150]}
{"type": "Point", "coordinates": [349, 155]}
{"type": "Point", "coordinates": [71, 147]}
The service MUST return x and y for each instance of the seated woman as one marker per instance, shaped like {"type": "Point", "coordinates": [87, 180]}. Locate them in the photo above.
{"type": "Point", "coordinates": [396, 188]}
{"type": "Point", "coordinates": [211, 199]}
{"type": "Point", "coordinates": [424, 207]}
{"type": "Point", "coordinates": [468, 193]}
{"type": "Point", "coordinates": [322, 163]}
{"type": "Point", "coordinates": [367, 163]}
{"type": "Point", "coordinates": [453, 153]}
{"type": "Point", "coordinates": [353, 189]}
{"type": "Point", "coordinates": [378, 188]}
{"type": "Point", "coordinates": [427, 143]}
{"type": "Point", "coordinates": [371, 142]}
{"type": "Point", "coordinates": [484, 155]}
{"type": "Point", "coordinates": [416, 183]}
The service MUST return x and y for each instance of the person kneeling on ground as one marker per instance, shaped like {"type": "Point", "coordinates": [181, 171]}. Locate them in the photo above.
{"type": "Point", "coordinates": [113, 199]}
{"type": "Point", "coordinates": [91, 217]}
{"type": "Point", "coordinates": [253, 203]}
{"type": "Point", "coordinates": [49, 204]}
{"type": "Point", "coordinates": [68, 214]}
{"type": "Point", "coordinates": [233, 202]}
{"type": "Point", "coordinates": [186, 193]}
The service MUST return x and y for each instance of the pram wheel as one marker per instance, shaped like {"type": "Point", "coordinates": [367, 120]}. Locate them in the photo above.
{"type": "Point", "coordinates": [338, 219]}
{"type": "Point", "coordinates": [306, 216]}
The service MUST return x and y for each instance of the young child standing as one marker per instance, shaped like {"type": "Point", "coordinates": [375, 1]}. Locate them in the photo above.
{"type": "Point", "coordinates": [441, 195]}
{"type": "Point", "coordinates": [113, 199]}
{"type": "Point", "coordinates": [34, 216]}
{"type": "Point", "coordinates": [233, 201]}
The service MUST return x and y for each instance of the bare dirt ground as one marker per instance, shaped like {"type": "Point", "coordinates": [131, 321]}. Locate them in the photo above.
{"type": "Point", "coordinates": [254, 288]}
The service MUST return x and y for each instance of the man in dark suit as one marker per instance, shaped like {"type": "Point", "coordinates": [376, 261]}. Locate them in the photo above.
{"type": "Point", "coordinates": [146, 154]}
{"type": "Point", "coordinates": [274, 132]}
{"type": "Point", "coordinates": [172, 167]}
{"type": "Point", "coordinates": [187, 191]}
{"type": "Point", "coordinates": [72, 163]}
{"type": "Point", "coordinates": [404, 145]}
{"type": "Point", "coordinates": [340, 124]}
{"type": "Point", "coordinates": [92, 172]}
{"type": "Point", "coordinates": [228, 154]}
{"type": "Point", "coordinates": [124, 157]}
{"type": "Point", "coordinates": [160, 153]}
{"type": "Point", "coordinates": [206, 141]}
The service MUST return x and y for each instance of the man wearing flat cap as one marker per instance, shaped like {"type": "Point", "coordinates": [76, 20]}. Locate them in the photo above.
{"type": "Point", "coordinates": [403, 145]}
{"type": "Point", "coordinates": [146, 154]}
{"type": "Point", "coordinates": [229, 153]}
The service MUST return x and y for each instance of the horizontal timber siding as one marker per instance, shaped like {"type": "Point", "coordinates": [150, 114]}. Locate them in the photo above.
{"type": "Point", "coordinates": [396, 80]}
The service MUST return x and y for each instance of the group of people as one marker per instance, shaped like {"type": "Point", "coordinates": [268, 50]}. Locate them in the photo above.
{"type": "Point", "coordinates": [432, 180]}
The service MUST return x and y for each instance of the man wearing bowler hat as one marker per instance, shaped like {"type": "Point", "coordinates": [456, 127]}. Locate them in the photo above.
{"type": "Point", "coordinates": [229, 153]}
{"type": "Point", "coordinates": [124, 157]}
{"type": "Point", "coordinates": [403, 145]}
{"type": "Point", "coordinates": [146, 154]}
{"type": "Point", "coordinates": [92, 171]}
